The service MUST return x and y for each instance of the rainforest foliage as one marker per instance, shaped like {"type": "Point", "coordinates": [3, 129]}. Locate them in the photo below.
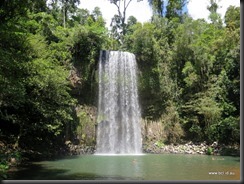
{"type": "Point", "coordinates": [189, 70]}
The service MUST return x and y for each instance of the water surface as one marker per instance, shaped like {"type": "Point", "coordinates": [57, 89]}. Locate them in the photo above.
{"type": "Point", "coordinates": [133, 167]}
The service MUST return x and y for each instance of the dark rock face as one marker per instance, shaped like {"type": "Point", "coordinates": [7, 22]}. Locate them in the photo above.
{"type": "Point", "coordinates": [79, 149]}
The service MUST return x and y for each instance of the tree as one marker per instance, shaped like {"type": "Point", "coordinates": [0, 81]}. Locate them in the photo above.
{"type": "Point", "coordinates": [39, 6]}
{"type": "Point", "coordinates": [118, 22]}
{"type": "Point", "coordinates": [81, 16]}
{"type": "Point", "coordinates": [65, 6]}
{"type": "Point", "coordinates": [174, 9]}
{"type": "Point", "coordinates": [35, 94]}
{"type": "Point", "coordinates": [157, 7]}
{"type": "Point", "coordinates": [214, 16]}
{"type": "Point", "coordinates": [12, 10]}
{"type": "Point", "coordinates": [36, 83]}
{"type": "Point", "coordinates": [96, 13]}
{"type": "Point", "coordinates": [232, 17]}
{"type": "Point", "coordinates": [68, 6]}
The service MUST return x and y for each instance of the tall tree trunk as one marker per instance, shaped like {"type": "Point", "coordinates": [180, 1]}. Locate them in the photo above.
{"type": "Point", "coordinates": [16, 144]}
{"type": "Point", "coordinates": [64, 16]}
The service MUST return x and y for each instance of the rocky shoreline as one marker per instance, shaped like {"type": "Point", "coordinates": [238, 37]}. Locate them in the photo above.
{"type": "Point", "coordinates": [13, 158]}
{"type": "Point", "coordinates": [79, 149]}
{"type": "Point", "coordinates": [187, 148]}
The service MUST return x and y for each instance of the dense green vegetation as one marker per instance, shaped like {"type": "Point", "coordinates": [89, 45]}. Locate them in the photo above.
{"type": "Point", "coordinates": [189, 73]}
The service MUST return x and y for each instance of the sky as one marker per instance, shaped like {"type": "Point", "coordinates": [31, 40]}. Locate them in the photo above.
{"type": "Point", "coordinates": [141, 10]}
{"type": "Point", "coordinates": [198, 8]}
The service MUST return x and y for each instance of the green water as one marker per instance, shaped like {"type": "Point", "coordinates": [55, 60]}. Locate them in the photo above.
{"type": "Point", "coordinates": [132, 167]}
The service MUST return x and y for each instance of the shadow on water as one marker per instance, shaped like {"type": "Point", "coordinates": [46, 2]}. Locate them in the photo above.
{"type": "Point", "coordinates": [238, 160]}
{"type": "Point", "coordinates": [38, 172]}
{"type": "Point", "coordinates": [147, 167]}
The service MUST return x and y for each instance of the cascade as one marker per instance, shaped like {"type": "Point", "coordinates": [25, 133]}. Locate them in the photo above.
{"type": "Point", "coordinates": [118, 119]}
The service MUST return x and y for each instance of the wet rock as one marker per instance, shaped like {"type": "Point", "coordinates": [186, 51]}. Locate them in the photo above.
{"type": "Point", "coordinates": [214, 144]}
{"type": "Point", "coordinates": [73, 149]}
{"type": "Point", "coordinates": [13, 161]}
{"type": "Point", "coordinates": [68, 143]}
{"type": "Point", "coordinates": [188, 148]}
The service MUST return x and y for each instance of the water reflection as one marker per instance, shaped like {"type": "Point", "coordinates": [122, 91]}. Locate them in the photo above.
{"type": "Point", "coordinates": [132, 167]}
{"type": "Point", "coordinates": [127, 167]}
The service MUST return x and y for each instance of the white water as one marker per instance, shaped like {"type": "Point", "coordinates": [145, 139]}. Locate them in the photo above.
{"type": "Point", "coordinates": [118, 130]}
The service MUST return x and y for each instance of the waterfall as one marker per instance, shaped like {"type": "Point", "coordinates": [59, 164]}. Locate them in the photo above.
{"type": "Point", "coordinates": [118, 120]}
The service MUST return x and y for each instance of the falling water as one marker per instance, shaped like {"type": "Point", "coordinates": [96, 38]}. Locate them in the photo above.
{"type": "Point", "coordinates": [118, 121]}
